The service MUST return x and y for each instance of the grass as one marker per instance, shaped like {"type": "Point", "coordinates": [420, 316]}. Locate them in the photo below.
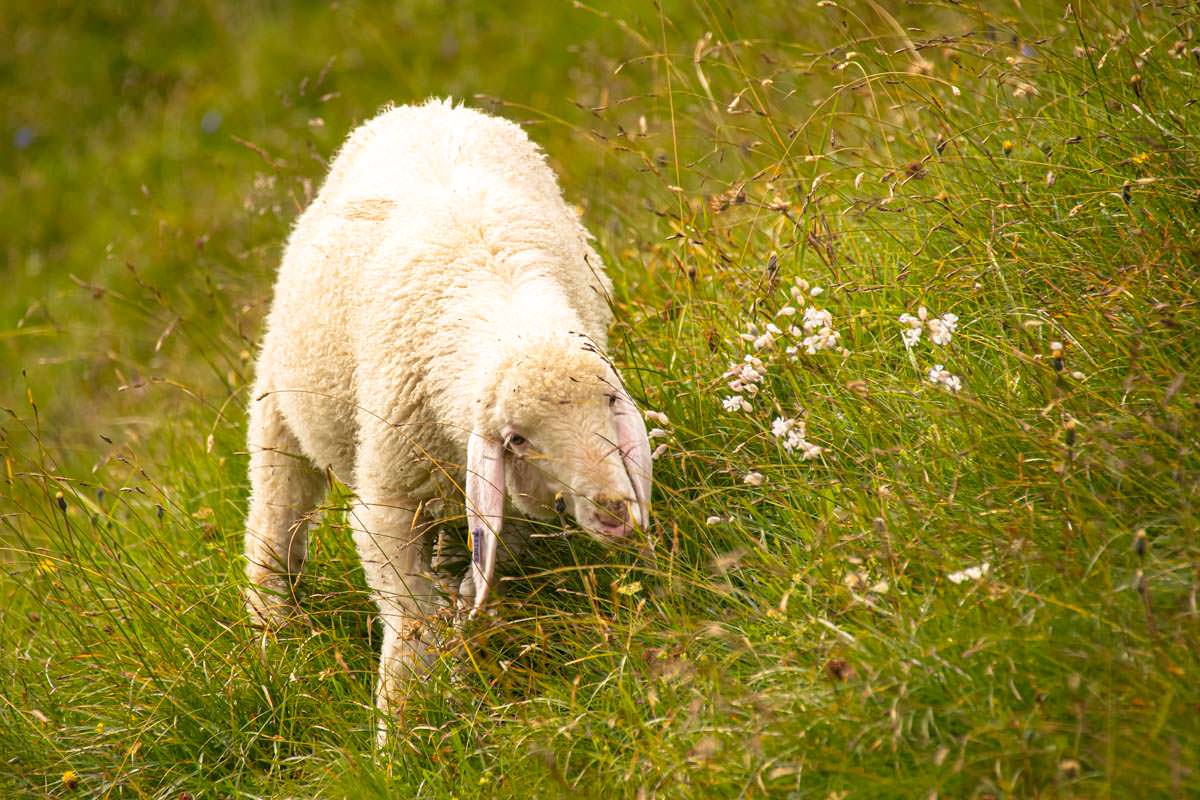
{"type": "Point", "coordinates": [1033, 172]}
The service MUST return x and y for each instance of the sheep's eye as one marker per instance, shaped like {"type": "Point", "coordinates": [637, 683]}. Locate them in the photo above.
{"type": "Point", "coordinates": [516, 440]}
{"type": "Point", "coordinates": [612, 400]}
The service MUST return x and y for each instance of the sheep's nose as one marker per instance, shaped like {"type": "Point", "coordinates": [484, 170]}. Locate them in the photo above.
{"type": "Point", "coordinates": [613, 514]}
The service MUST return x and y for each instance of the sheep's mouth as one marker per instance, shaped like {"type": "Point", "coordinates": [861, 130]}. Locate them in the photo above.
{"type": "Point", "coordinates": [613, 522]}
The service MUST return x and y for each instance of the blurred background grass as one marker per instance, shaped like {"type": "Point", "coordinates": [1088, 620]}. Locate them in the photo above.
{"type": "Point", "coordinates": [1029, 168]}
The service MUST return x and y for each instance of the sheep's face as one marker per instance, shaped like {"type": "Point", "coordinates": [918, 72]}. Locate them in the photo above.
{"type": "Point", "coordinates": [565, 422]}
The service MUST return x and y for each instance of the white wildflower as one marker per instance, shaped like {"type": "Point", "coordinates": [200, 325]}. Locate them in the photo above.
{"type": "Point", "coordinates": [657, 433]}
{"type": "Point", "coordinates": [941, 328]}
{"type": "Point", "coordinates": [815, 318]}
{"type": "Point", "coordinates": [786, 311]}
{"type": "Point", "coordinates": [657, 416]}
{"type": "Point", "coordinates": [754, 479]}
{"type": "Point", "coordinates": [765, 341]}
{"type": "Point", "coordinates": [824, 339]}
{"type": "Point", "coordinates": [942, 377]}
{"type": "Point", "coordinates": [792, 432]}
{"type": "Point", "coordinates": [970, 574]}
{"type": "Point", "coordinates": [854, 580]}
{"type": "Point", "coordinates": [746, 375]}
{"type": "Point", "coordinates": [810, 451]}
{"type": "Point", "coordinates": [799, 291]}
{"type": "Point", "coordinates": [658, 451]}
{"type": "Point", "coordinates": [818, 323]}
{"type": "Point", "coordinates": [714, 520]}
{"type": "Point", "coordinates": [916, 325]}
{"type": "Point", "coordinates": [751, 370]}
{"type": "Point", "coordinates": [815, 291]}
{"type": "Point", "coordinates": [735, 402]}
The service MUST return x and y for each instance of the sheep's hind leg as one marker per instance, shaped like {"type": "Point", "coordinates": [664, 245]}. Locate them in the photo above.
{"type": "Point", "coordinates": [285, 488]}
{"type": "Point", "coordinates": [394, 544]}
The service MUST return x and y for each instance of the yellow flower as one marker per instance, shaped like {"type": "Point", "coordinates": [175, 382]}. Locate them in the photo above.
{"type": "Point", "coordinates": [1140, 159]}
{"type": "Point", "coordinates": [70, 779]}
{"type": "Point", "coordinates": [1007, 144]}
{"type": "Point", "coordinates": [46, 566]}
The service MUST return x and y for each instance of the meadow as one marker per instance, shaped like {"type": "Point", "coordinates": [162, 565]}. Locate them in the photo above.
{"type": "Point", "coordinates": [910, 289]}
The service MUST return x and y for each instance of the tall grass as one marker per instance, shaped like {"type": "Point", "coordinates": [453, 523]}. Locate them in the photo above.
{"type": "Point", "coordinates": [982, 592]}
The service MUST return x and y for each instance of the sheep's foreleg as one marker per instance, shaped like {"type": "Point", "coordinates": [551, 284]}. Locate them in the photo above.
{"type": "Point", "coordinates": [285, 488]}
{"type": "Point", "coordinates": [395, 547]}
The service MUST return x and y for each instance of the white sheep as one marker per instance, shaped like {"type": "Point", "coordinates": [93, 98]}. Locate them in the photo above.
{"type": "Point", "coordinates": [439, 322]}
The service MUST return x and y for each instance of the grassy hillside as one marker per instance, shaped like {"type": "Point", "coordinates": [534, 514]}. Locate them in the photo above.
{"type": "Point", "coordinates": [938, 539]}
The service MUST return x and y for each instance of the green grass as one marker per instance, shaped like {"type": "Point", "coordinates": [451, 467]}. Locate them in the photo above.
{"type": "Point", "coordinates": [1035, 173]}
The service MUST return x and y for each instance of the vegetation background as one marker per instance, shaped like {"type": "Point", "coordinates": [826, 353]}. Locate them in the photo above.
{"type": "Point", "coordinates": [988, 592]}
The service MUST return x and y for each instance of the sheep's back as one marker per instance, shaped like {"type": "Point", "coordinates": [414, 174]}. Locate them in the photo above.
{"type": "Point", "coordinates": [394, 280]}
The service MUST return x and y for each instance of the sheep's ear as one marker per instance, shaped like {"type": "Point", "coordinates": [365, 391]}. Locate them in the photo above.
{"type": "Point", "coordinates": [635, 452]}
{"type": "Point", "coordinates": [485, 508]}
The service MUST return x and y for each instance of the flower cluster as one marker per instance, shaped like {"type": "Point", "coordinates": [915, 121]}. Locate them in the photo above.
{"type": "Point", "coordinates": [814, 333]}
{"type": "Point", "coordinates": [970, 573]}
{"type": "Point", "coordinates": [754, 479]}
{"type": "Point", "coordinates": [818, 324]}
{"type": "Point", "coordinates": [941, 329]}
{"type": "Point", "coordinates": [940, 376]}
{"type": "Point", "coordinates": [735, 402]}
{"type": "Point", "coordinates": [746, 376]}
{"type": "Point", "coordinates": [761, 339]}
{"type": "Point", "coordinates": [792, 432]}
{"type": "Point", "coordinates": [660, 419]}
{"type": "Point", "coordinates": [941, 332]}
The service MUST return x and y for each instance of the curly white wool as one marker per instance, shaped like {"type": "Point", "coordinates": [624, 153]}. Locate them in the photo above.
{"type": "Point", "coordinates": [438, 305]}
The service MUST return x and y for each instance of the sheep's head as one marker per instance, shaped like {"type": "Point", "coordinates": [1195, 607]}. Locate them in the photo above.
{"type": "Point", "coordinates": [559, 433]}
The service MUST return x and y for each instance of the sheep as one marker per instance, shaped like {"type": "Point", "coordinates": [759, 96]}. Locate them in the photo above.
{"type": "Point", "coordinates": [438, 328]}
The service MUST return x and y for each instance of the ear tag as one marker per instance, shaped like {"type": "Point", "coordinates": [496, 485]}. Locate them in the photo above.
{"type": "Point", "coordinates": [475, 542]}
